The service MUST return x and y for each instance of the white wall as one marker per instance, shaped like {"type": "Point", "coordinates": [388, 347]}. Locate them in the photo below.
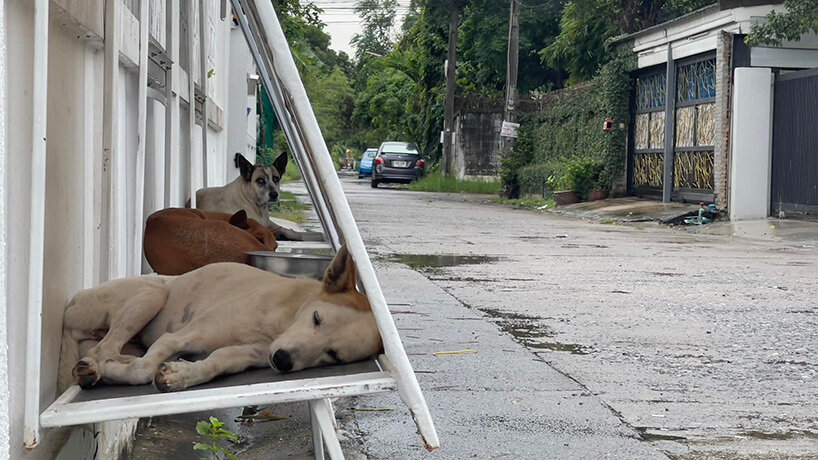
{"type": "Point", "coordinates": [5, 396]}
{"type": "Point", "coordinates": [751, 159]}
{"type": "Point", "coordinates": [242, 109]}
{"type": "Point", "coordinates": [76, 248]}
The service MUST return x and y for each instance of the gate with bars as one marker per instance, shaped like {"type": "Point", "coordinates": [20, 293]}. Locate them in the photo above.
{"type": "Point", "coordinates": [794, 188]}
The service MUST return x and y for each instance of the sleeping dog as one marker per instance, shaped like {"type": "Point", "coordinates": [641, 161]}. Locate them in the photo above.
{"type": "Point", "coordinates": [232, 316]}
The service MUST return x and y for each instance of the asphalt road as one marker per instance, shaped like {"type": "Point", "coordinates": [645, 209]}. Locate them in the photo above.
{"type": "Point", "coordinates": [592, 340]}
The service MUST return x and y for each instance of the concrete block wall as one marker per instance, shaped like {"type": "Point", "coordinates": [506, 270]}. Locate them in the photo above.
{"type": "Point", "coordinates": [477, 143]}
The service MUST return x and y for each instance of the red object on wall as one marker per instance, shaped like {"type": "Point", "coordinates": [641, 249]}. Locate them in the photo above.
{"type": "Point", "coordinates": [607, 125]}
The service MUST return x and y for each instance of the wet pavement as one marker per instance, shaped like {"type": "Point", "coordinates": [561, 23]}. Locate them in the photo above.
{"type": "Point", "coordinates": [592, 340]}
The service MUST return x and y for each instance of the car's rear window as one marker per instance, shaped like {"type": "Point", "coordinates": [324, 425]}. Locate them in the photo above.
{"type": "Point", "coordinates": [369, 154]}
{"type": "Point", "coordinates": [404, 149]}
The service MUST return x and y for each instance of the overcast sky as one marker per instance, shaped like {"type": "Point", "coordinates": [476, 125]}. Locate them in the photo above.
{"type": "Point", "coordinates": [342, 22]}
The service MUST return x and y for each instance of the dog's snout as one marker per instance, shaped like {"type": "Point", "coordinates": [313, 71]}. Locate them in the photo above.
{"type": "Point", "coordinates": [282, 360]}
{"type": "Point", "coordinates": [273, 195]}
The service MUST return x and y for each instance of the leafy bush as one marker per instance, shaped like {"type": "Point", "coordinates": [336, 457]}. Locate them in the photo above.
{"type": "Point", "coordinates": [584, 174]}
{"type": "Point", "coordinates": [567, 132]}
{"type": "Point", "coordinates": [213, 430]}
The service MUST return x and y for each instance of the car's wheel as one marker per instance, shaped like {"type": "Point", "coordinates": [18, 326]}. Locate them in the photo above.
{"type": "Point", "coordinates": [360, 176]}
{"type": "Point", "coordinates": [373, 183]}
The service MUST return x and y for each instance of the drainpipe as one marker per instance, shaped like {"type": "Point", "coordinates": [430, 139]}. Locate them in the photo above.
{"type": "Point", "coordinates": [31, 417]}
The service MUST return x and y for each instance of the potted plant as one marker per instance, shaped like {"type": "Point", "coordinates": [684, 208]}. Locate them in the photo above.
{"type": "Point", "coordinates": [597, 191]}
{"type": "Point", "coordinates": [585, 175]}
{"type": "Point", "coordinates": [564, 190]}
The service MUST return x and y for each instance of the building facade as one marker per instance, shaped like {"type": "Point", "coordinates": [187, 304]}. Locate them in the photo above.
{"type": "Point", "coordinates": [683, 118]}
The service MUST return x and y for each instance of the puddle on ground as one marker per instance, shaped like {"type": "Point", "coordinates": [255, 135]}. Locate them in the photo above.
{"type": "Point", "coordinates": [779, 435]}
{"type": "Point", "coordinates": [654, 436]}
{"type": "Point", "coordinates": [432, 262]}
{"type": "Point", "coordinates": [526, 330]}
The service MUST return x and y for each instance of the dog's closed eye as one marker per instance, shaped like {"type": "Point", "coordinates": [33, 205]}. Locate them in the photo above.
{"type": "Point", "coordinates": [316, 319]}
{"type": "Point", "coordinates": [334, 355]}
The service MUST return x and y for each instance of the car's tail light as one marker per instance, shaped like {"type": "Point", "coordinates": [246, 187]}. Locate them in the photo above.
{"type": "Point", "coordinates": [421, 164]}
{"type": "Point", "coordinates": [379, 161]}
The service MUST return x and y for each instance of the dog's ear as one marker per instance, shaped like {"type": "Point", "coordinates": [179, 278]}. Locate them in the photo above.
{"type": "Point", "coordinates": [340, 275]}
{"type": "Point", "coordinates": [280, 163]}
{"type": "Point", "coordinates": [245, 167]}
{"type": "Point", "coordinates": [239, 219]}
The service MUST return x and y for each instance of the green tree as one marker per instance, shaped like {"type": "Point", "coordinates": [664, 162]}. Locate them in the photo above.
{"type": "Point", "coordinates": [325, 73]}
{"type": "Point", "coordinates": [378, 17]}
{"type": "Point", "coordinates": [800, 17]}
{"type": "Point", "coordinates": [483, 45]}
{"type": "Point", "coordinates": [587, 26]}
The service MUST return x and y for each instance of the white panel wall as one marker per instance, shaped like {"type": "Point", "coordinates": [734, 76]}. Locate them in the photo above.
{"type": "Point", "coordinates": [241, 113]}
{"type": "Point", "coordinates": [75, 193]}
{"type": "Point", "coordinates": [750, 171]}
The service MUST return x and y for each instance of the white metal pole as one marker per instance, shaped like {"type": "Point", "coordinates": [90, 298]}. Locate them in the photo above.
{"type": "Point", "coordinates": [203, 83]}
{"type": "Point", "coordinates": [90, 272]}
{"type": "Point", "coordinates": [290, 80]}
{"type": "Point", "coordinates": [39, 103]}
{"type": "Point", "coordinates": [110, 136]}
{"type": "Point", "coordinates": [191, 100]}
{"type": "Point", "coordinates": [172, 174]}
{"type": "Point", "coordinates": [142, 120]}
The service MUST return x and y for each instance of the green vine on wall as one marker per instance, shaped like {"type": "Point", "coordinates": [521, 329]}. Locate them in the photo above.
{"type": "Point", "coordinates": [616, 87]}
{"type": "Point", "coordinates": [565, 135]}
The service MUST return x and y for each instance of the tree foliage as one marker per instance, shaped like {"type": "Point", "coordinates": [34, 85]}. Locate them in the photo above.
{"type": "Point", "coordinates": [800, 17]}
{"type": "Point", "coordinates": [587, 26]}
{"type": "Point", "coordinates": [378, 17]}
{"type": "Point", "coordinates": [325, 73]}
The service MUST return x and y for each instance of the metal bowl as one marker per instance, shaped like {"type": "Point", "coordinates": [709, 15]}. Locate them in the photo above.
{"type": "Point", "coordinates": [291, 265]}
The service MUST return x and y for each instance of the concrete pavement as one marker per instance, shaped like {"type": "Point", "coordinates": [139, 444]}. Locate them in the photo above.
{"type": "Point", "coordinates": [592, 340]}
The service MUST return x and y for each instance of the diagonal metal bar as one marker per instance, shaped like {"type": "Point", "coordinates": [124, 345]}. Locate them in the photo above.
{"type": "Point", "coordinates": [284, 77]}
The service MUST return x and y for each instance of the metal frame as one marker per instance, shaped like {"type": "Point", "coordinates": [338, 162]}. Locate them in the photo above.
{"type": "Point", "coordinates": [271, 52]}
{"type": "Point", "coordinates": [292, 96]}
{"type": "Point", "coordinates": [39, 101]}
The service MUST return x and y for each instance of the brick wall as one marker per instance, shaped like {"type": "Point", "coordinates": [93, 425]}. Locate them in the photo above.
{"type": "Point", "coordinates": [721, 151]}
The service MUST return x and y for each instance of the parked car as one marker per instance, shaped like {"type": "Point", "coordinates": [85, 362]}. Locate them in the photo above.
{"type": "Point", "coordinates": [365, 166]}
{"type": "Point", "coordinates": [397, 162]}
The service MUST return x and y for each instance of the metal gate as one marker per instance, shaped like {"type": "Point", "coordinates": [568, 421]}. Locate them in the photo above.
{"type": "Point", "coordinates": [794, 185]}
{"type": "Point", "coordinates": [674, 130]}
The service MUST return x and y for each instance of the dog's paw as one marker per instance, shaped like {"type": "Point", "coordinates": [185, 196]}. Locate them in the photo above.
{"type": "Point", "coordinates": [170, 377]}
{"type": "Point", "coordinates": [86, 373]}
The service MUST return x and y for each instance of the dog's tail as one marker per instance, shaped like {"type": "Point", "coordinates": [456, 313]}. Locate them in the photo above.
{"type": "Point", "coordinates": [69, 355]}
{"type": "Point", "coordinates": [85, 312]}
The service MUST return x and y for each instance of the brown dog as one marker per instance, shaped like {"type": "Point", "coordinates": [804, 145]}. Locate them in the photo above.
{"type": "Point", "coordinates": [179, 240]}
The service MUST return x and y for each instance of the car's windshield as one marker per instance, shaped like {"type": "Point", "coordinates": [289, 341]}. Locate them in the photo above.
{"type": "Point", "coordinates": [400, 149]}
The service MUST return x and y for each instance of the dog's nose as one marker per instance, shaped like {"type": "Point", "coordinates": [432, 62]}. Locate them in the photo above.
{"type": "Point", "coordinates": [282, 361]}
{"type": "Point", "coordinates": [273, 195]}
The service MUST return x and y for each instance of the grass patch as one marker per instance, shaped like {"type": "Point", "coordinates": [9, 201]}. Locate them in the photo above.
{"type": "Point", "coordinates": [291, 174]}
{"type": "Point", "coordinates": [526, 202]}
{"type": "Point", "coordinates": [289, 207]}
{"type": "Point", "coordinates": [435, 182]}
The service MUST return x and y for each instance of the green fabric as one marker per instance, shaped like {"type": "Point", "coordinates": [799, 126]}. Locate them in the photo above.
{"type": "Point", "coordinates": [266, 128]}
